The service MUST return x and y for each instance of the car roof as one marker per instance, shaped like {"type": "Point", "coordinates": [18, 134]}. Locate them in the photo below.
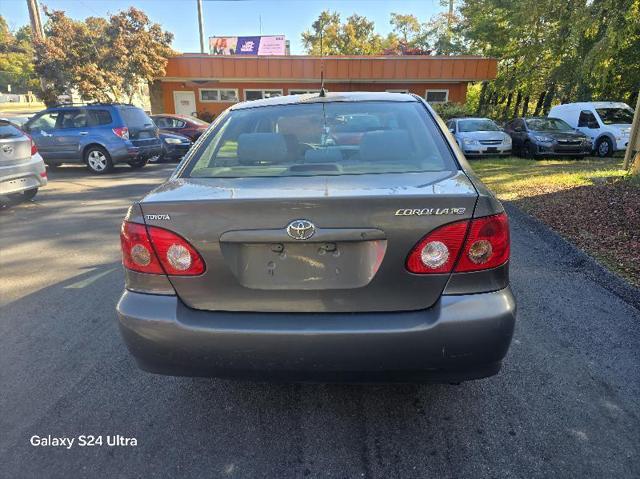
{"type": "Point", "coordinates": [594, 104]}
{"type": "Point", "coordinates": [328, 98]}
{"type": "Point", "coordinates": [472, 118]}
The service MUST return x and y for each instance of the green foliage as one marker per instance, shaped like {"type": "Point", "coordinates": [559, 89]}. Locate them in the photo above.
{"type": "Point", "coordinates": [329, 36]}
{"type": "Point", "coordinates": [451, 110]}
{"type": "Point", "coordinates": [552, 51]}
{"type": "Point", "coordinates": [104, 59]}
{"type": "Point", "coordinates": [16, 60]}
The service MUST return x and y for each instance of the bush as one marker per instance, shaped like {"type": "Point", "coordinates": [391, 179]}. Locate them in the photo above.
{"type": "Point", "coordinates": [451, 110]}
{"type": "Point", "coordinates": [206, 116]}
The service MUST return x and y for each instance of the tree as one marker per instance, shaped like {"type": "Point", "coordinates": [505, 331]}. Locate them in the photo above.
{"type": "Point", "coordinates": [104, 59]}
{"type": "Point", "coordinates": [406, 26]}
{"type": "Point", "coordinates": [16, 60]}
{"type": "Point", "coordinates": [354, 37]}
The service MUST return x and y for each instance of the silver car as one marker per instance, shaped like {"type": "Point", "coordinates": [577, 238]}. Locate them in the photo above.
{"type": "Point", "coordinates": [480, 137]}
{"type": "Point", "coordinates": [22, 170]}
{"type": "Point", "coordinates": [320, 237]}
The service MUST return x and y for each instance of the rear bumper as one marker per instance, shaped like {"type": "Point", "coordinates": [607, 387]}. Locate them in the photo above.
{"type": "Point", "coordinates": [460, 338]}
{"type": "Point", "coordinates": [130, 152]}
{"type": "Point", "coordinates": [23, 176]}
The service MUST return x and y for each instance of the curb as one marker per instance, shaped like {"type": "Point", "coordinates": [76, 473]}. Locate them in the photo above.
{"type": "Point", "coordinates": [591, 267]}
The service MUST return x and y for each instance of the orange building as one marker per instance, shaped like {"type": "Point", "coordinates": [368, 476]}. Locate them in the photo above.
{"type": "Point", "coordinates": [197, 83]}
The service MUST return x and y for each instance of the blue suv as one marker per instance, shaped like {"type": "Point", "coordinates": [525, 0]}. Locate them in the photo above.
{"type": "Point", "coordinates": [97, 134]}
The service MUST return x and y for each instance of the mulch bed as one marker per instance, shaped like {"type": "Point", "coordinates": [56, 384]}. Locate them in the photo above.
{"type": "Point", "coordinates": [601, 219]}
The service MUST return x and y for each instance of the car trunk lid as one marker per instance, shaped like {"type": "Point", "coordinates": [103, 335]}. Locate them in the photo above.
{"type": "Point", "coordinates": [365, 225]}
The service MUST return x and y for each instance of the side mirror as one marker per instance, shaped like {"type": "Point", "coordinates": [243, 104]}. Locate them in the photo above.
{"type": "Point", "coordinates": [452, 130]}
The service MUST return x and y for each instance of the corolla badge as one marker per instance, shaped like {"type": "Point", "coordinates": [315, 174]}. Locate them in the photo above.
{"type": "Point", "coordinates": [429, 211]}
{"type": "Point", "coordinates": [8, 149]}
{"type": "Point", "coordinates": [301, 229]}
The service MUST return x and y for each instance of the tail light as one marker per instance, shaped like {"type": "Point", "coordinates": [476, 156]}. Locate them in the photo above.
{"type": "Point", "coordinates": [438, 251]}
{"type": "Point", "coordinates": [34, 148]}
{"type": "Point", "coordinates": [122, 132]}
{"type": "Point", "coordinates": [486, 246]}
{"type": "Point", "coordinates": [153, 250]}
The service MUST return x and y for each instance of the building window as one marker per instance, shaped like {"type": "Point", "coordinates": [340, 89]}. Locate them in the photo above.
{"type": "Point", "coordinates": [399, 90]}
{"type": "Point", "coordinates": [302, 92]}
{"type": "Point", "coordinates": [437, 96]}
{"type": "Point", "coordinates": [218, 95]}
{"type": "Point", "coordinates": [260, 94]}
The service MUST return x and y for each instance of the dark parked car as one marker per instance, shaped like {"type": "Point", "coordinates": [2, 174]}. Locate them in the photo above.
{"type": "Point", "coordinates": [273, 252]}
{"type": "Point", "coordinates": [174, 147]}
{"type": "Point", "coordinates": [182, 124]}
{"type": "Point", "coordinates": [538, 137]}
{"type": "Point", "coordinates": [98, 135]}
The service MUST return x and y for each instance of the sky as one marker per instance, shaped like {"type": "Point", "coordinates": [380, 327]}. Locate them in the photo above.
{"type": "Point", "coordinates": [232, 18]}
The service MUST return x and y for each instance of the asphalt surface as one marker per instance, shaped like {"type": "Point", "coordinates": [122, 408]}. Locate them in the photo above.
{"type": "Point", "coordinates": [566, 404]}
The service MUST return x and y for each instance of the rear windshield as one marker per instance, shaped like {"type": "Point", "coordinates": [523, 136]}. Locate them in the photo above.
{"type": "Point", "coordinates": [334, 138]}
{"type": "Point", "coordinates": [135, 118]}
{"type": "Point", "coordinates": [7, 130]}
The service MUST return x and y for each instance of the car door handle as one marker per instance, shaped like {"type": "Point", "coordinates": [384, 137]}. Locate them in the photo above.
{"type": "Point", "coordinates": [44, 133]}
{"type": "Point", "coordinates": [83, 133]}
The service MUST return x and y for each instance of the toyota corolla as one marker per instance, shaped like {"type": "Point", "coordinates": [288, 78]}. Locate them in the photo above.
{"type": "Point", "coordinates": [279, 251]}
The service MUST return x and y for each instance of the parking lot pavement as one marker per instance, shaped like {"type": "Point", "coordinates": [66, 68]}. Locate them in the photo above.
{"type": "Point", "coordinates": [565, 405]}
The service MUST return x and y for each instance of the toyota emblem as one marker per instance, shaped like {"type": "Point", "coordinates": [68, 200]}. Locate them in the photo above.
{"type": "Point", "coordinates": [301, 229]}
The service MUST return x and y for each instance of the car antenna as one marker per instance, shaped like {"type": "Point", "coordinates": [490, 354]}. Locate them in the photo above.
{"type": "Point", "coordinates": [323, 92]}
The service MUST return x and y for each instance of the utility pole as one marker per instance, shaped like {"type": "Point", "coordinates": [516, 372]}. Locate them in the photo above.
{"type": "Point", "coordinates": [632, 155]}
{"type": "Point", "coordinates": [37, 32]}
{"type": "Point", "coordinates": [36, 23]}
{"type": "Point", "coordinates": [201, 25]}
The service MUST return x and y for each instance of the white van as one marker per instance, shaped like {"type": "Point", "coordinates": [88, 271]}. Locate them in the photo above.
{"type": "Point", "coordinates": [607, 123]}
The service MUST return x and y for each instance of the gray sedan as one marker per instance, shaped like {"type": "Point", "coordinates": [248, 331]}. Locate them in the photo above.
{"type": "Point", "coordinates": [22, 170]}
{"type": "Point", "coordinates": [480, 137]}
{"type": "Point", "coordinates": [276, 252]}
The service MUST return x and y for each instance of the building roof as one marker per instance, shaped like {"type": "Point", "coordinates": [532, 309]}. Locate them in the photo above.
{"type": "Point", "coordinates": [328, 98]}
{"type": "Point", "coordinates": [406, 69]}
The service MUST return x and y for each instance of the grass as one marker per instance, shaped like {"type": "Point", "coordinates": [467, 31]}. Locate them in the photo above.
{"type": "Point", "coordinates": [593, 203]}
{"type": "Point", "coordinates": [516, 178]}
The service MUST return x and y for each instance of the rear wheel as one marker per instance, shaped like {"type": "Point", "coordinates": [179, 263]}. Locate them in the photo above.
{"type": "Point", "coordinates": [98, 160]}
{"type": "Point", "coordinates": [604, 147]}
{"type": "Point", "coordinates": [138, 163]}
{"type": "Point", "coordinates": [23, 195]}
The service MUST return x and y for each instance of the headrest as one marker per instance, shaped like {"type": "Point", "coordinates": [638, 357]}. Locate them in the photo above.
{"type": "Point", "coordinates": [256, 148]}
{"type": "Point", "coordinates": [385, 145]}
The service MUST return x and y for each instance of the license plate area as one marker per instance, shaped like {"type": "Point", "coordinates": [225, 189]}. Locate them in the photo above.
{"type": "Point", "coordinates": [304, 266]}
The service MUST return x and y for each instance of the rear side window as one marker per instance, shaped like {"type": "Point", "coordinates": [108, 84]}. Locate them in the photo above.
{"type": "Point", "coordinates": [334, 138]}
{"type": "Point", "coordinates": [99, 117]}
{"type": "Point", "coordinates": [72, 119]}
{"type": "Point", "coordinates": [135, 117]}
{"type": "Point", "coordinates": [7, 130]}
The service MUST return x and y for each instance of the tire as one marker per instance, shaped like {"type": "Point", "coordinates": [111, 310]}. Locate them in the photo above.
{"type": "Point", "coordinates": [25, 195]}
{"type": "Point", "coordinates": [137, 164]}
{"type": "Point", "coordinates": [604, 147]}
{"type": "Point", "coordinates": [98, 160]}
